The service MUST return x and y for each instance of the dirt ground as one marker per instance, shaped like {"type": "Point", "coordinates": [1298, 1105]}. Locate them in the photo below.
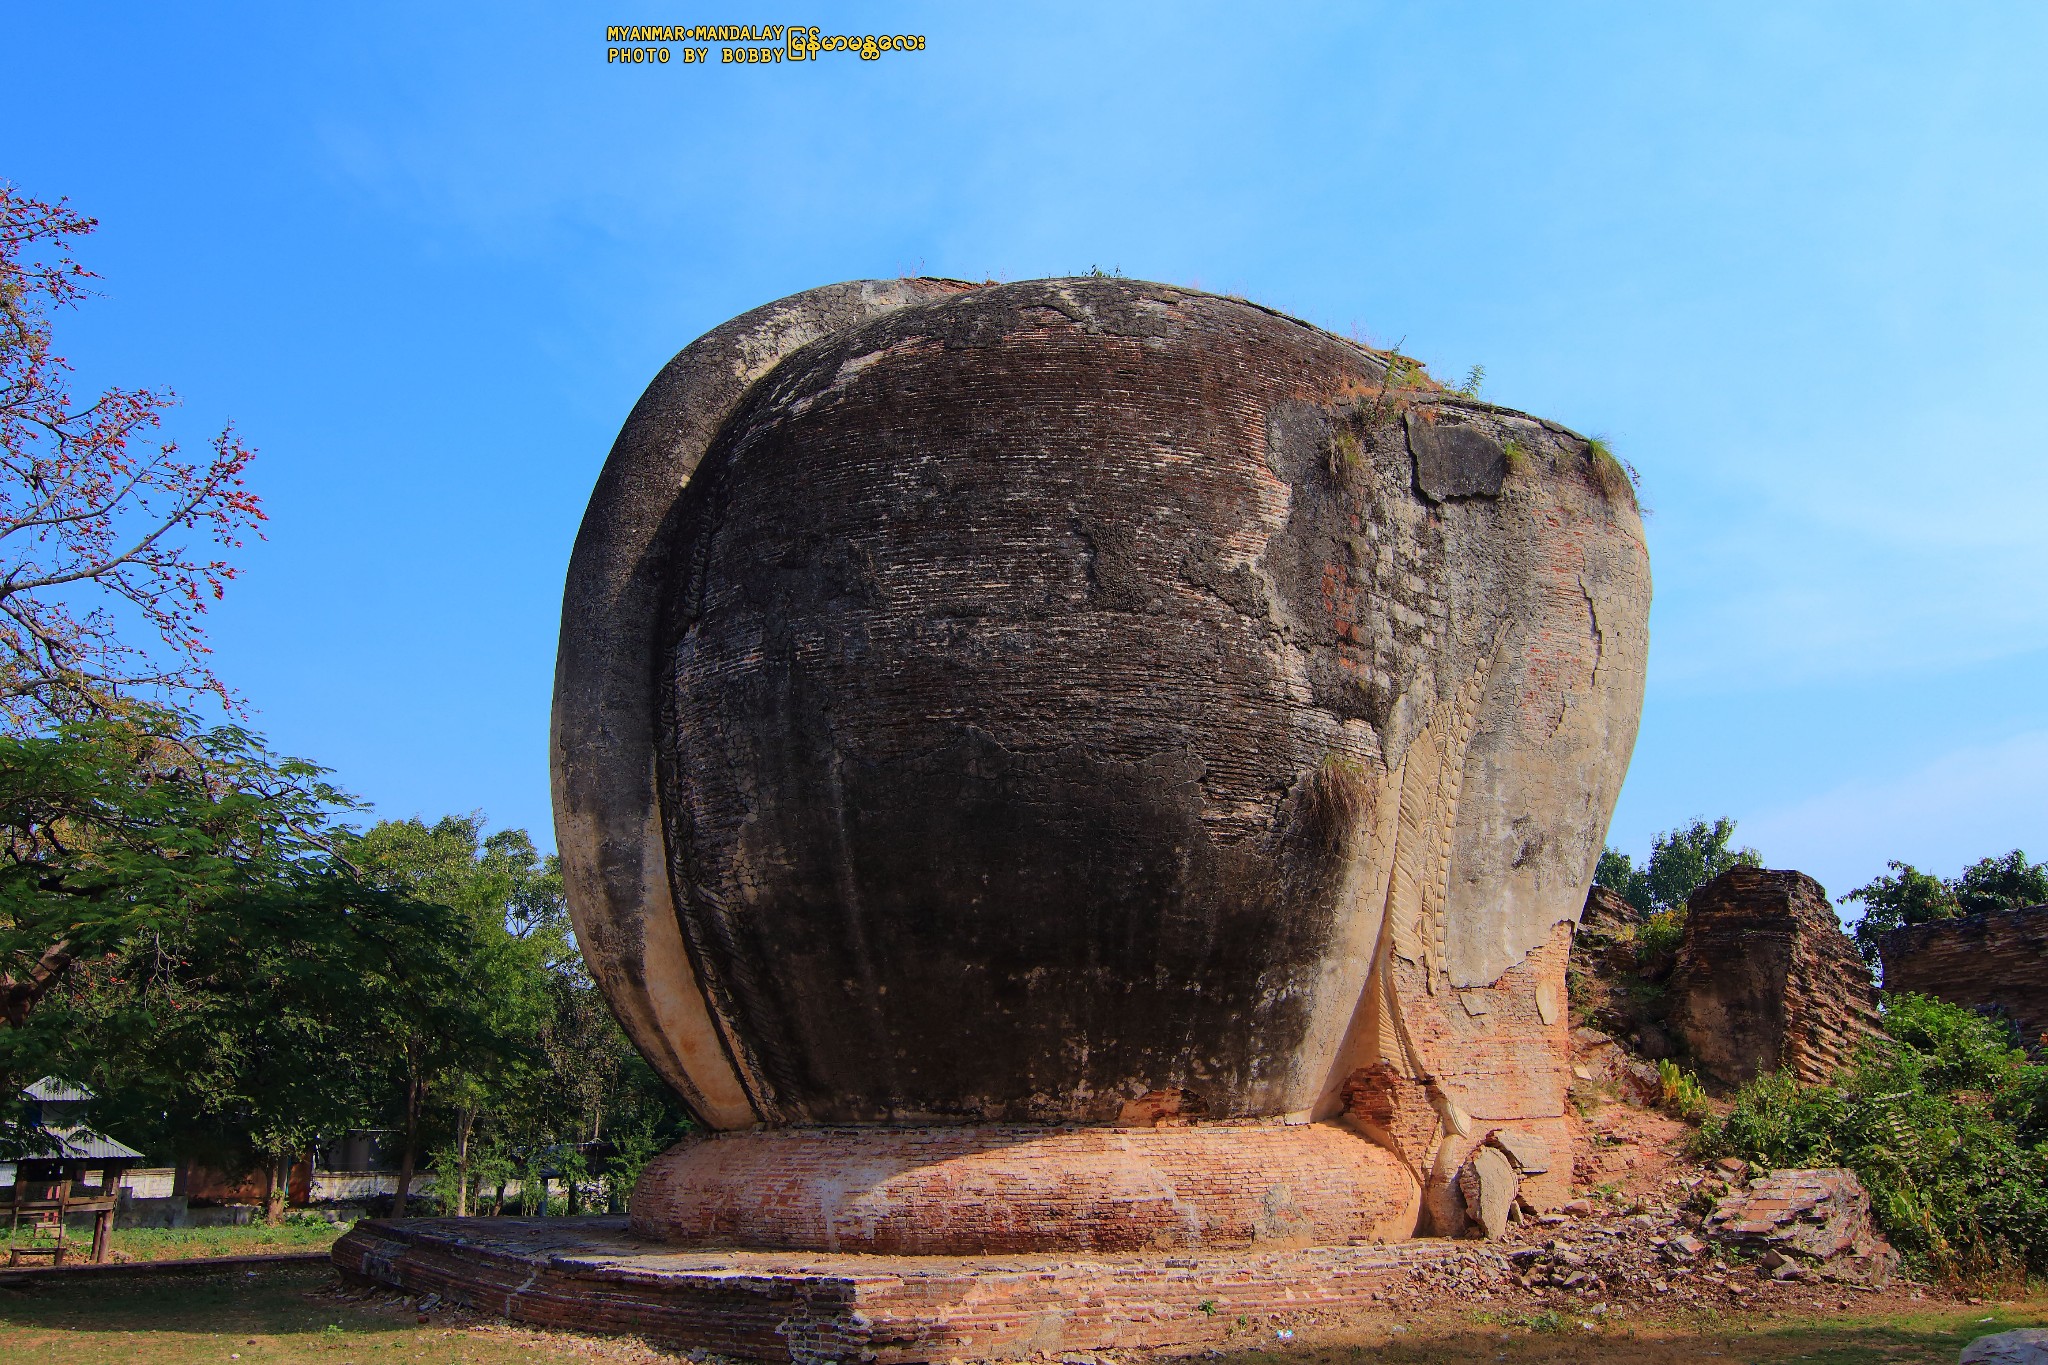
{"type": "Point", "coordinates": [305, 1317]}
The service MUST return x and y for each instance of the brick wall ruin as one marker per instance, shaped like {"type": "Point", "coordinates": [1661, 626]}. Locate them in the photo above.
{"type": "Point", "coordinates": [1996, 962]}
{"type": "Point", "coordinates": [1766, 979]}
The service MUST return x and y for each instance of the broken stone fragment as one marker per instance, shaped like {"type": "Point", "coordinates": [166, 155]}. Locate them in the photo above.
{"type": "Point", "coordinates": [1453, 460]}
{"type": "Point", "coordinates": [2027, 1346]}
{"type": "Point", "coordinates": [1525, 1150]}
{"type": "Point", "coordinates": [1487, 1182]}
{"type": "Point", "coordinates": [1818, 1219]}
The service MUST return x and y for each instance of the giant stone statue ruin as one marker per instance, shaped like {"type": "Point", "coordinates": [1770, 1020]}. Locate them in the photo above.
{"type": "Point", "coordinates": [1088, 765]}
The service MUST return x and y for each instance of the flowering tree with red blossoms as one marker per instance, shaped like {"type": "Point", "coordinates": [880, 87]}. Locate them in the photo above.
{"type": "Point", "coordinates": [98, 515]}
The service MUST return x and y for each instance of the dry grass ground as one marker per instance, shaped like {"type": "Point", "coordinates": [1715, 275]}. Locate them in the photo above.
{"type": "Point", "coordinates": [285, 1317]}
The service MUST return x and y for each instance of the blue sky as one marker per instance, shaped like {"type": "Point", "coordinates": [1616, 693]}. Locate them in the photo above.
{"type": "Point", "coordinates": [1788, 259]}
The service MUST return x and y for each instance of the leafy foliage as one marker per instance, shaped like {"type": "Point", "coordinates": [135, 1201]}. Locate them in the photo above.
{"type": "Point", "coordinates": [186, 926]}
{"type": "Point", "coordinates": [180, 928]}
{"type": "Point", "coordinates": [1681, 862]}
{"type": "Point", "coordinates": [1660, 935]}
{"type": "Point", "coordinates": [1945, 1122]}
{"type": "Point", "coordinates": [2001, 884]}
{"type": "Point", "coordinates": [544, 1081]}
{"type": "Point", "coordinates": [94, 510]}
{"type": "Point", "coordinates": [113, 827]}
{"type": "Point", "coordinates": [243, 1035]}
{"type": "Point", "coordinates": [1680, 1094]}
{"type": "Point", "coordinates": [1907, 896]}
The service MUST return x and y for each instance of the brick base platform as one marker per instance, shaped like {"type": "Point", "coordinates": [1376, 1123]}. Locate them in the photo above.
{"type": "Point", "coordinates": [591, 1274]}
{"type": "Point", "coordinates": [993, 1190]}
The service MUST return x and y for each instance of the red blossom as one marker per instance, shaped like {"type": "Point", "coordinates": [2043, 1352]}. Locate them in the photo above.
{"type": "Point", "coordinates": [92, 505]}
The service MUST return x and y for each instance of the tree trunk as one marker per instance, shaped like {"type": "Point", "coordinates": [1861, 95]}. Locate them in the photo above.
{"type": "Point", "coordinates": [412, 1144]}
{"type": "Point", "coordinates": [280, 1188]}
{"type": "Point", "coordinates": [464, 1121]}
{"type": "Point", "coordinates": [17, 998]}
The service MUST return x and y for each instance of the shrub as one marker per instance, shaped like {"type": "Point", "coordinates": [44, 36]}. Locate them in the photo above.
{"type": "Point", "coordinates": [1660, 934]}
{"type": "Point", "coordinates": [1946, 1123]}
{"type": "Point", "coordinates": [1680, 1094]}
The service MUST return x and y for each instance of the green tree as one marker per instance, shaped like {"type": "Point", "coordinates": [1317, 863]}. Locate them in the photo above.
{"type": "Point", "coordinates": [109, 827]}
{"type": "Point", "coordinates": [1907, 896]}
{"type": "Point", "coordinates": [179, 925]}
{"type": "Point", "coordinates": [1681, 862]}
{"type": "Point", "coordinates": [596, 1095]}
{"type": "Point", "coordinates": [135, 827]}
{"type": "Point", "coordinates": [1904, 896]}
{"type": "Point", "coordinates": [1684, 860]}
{"type": "Point", "coordinates": [462, 1047]}
{"type": "Point", "coordinates": [242, 1036]}
{"type": "Point", "coordinates": [1619, 874]}
{"type": "Point", "coordinates": [2006, 883]}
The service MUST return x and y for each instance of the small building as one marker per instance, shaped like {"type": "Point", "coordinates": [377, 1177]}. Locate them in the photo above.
{"type": "Point", "coordinates": [48, 1182]}
{"type": "Point", "coordinates": [71, 1146]}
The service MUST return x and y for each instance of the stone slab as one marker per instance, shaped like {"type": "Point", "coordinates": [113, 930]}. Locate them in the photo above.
{"type": "Point", "coordinates": [592, 1275]}
{"type": "Point", "coordinates": [2028, 1346]}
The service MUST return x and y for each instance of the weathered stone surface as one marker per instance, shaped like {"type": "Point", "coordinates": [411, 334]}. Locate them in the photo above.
{"type": "Point", "coordinates": [984, 1189]}
{"type": "Point", "coordinates": [1487, 1184]}
{"type": "Point", "coordinates": [2027, 1346]}
{"type": "Point", "coordinates": [1454, 459]}
{"type": "Point", "coordinates": [1075, 691]}
{"type": "Point", "coordinates": [1996, 962]}
{"type": "Point", "coordinates": [1603, 1063]}
{"type": "Point", "coordinates": [1608, 970]}
{"type": "Point", "coordinates": [607, 817]}
{"type": "Point", "coordinates": [1816, 1218]}
{"type": "Point", "coordinates": [1606, 920]}
{"type": "Point", "coordinates": [1766, 978]}
{"type": "Point", "coordinates": [810, 1308]}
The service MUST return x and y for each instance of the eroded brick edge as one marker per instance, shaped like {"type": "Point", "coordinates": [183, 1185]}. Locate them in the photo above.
{"type": "Point", "coordinates": [590, 1275]}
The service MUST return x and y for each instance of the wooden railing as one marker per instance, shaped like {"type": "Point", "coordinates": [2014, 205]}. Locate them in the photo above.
{"type": "Point", "coordinates": [43, 1205]}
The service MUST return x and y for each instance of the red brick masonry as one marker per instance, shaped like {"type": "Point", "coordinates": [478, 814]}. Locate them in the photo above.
{"type": "Point", "coordinates": [590, 1274]}
{"type": "Point", "coordinates": [1001, 1189]}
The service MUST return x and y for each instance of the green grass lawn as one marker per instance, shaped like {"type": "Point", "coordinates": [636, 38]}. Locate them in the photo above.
{"type": "Point", "coordinates": [270, 1317]}
{"type": "Point", "coordinates": [300, 1314]}
{"type": "Point", "coordinates": [177, 1244]}
{"type": "Point", "coordinates": [252, 1239]}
